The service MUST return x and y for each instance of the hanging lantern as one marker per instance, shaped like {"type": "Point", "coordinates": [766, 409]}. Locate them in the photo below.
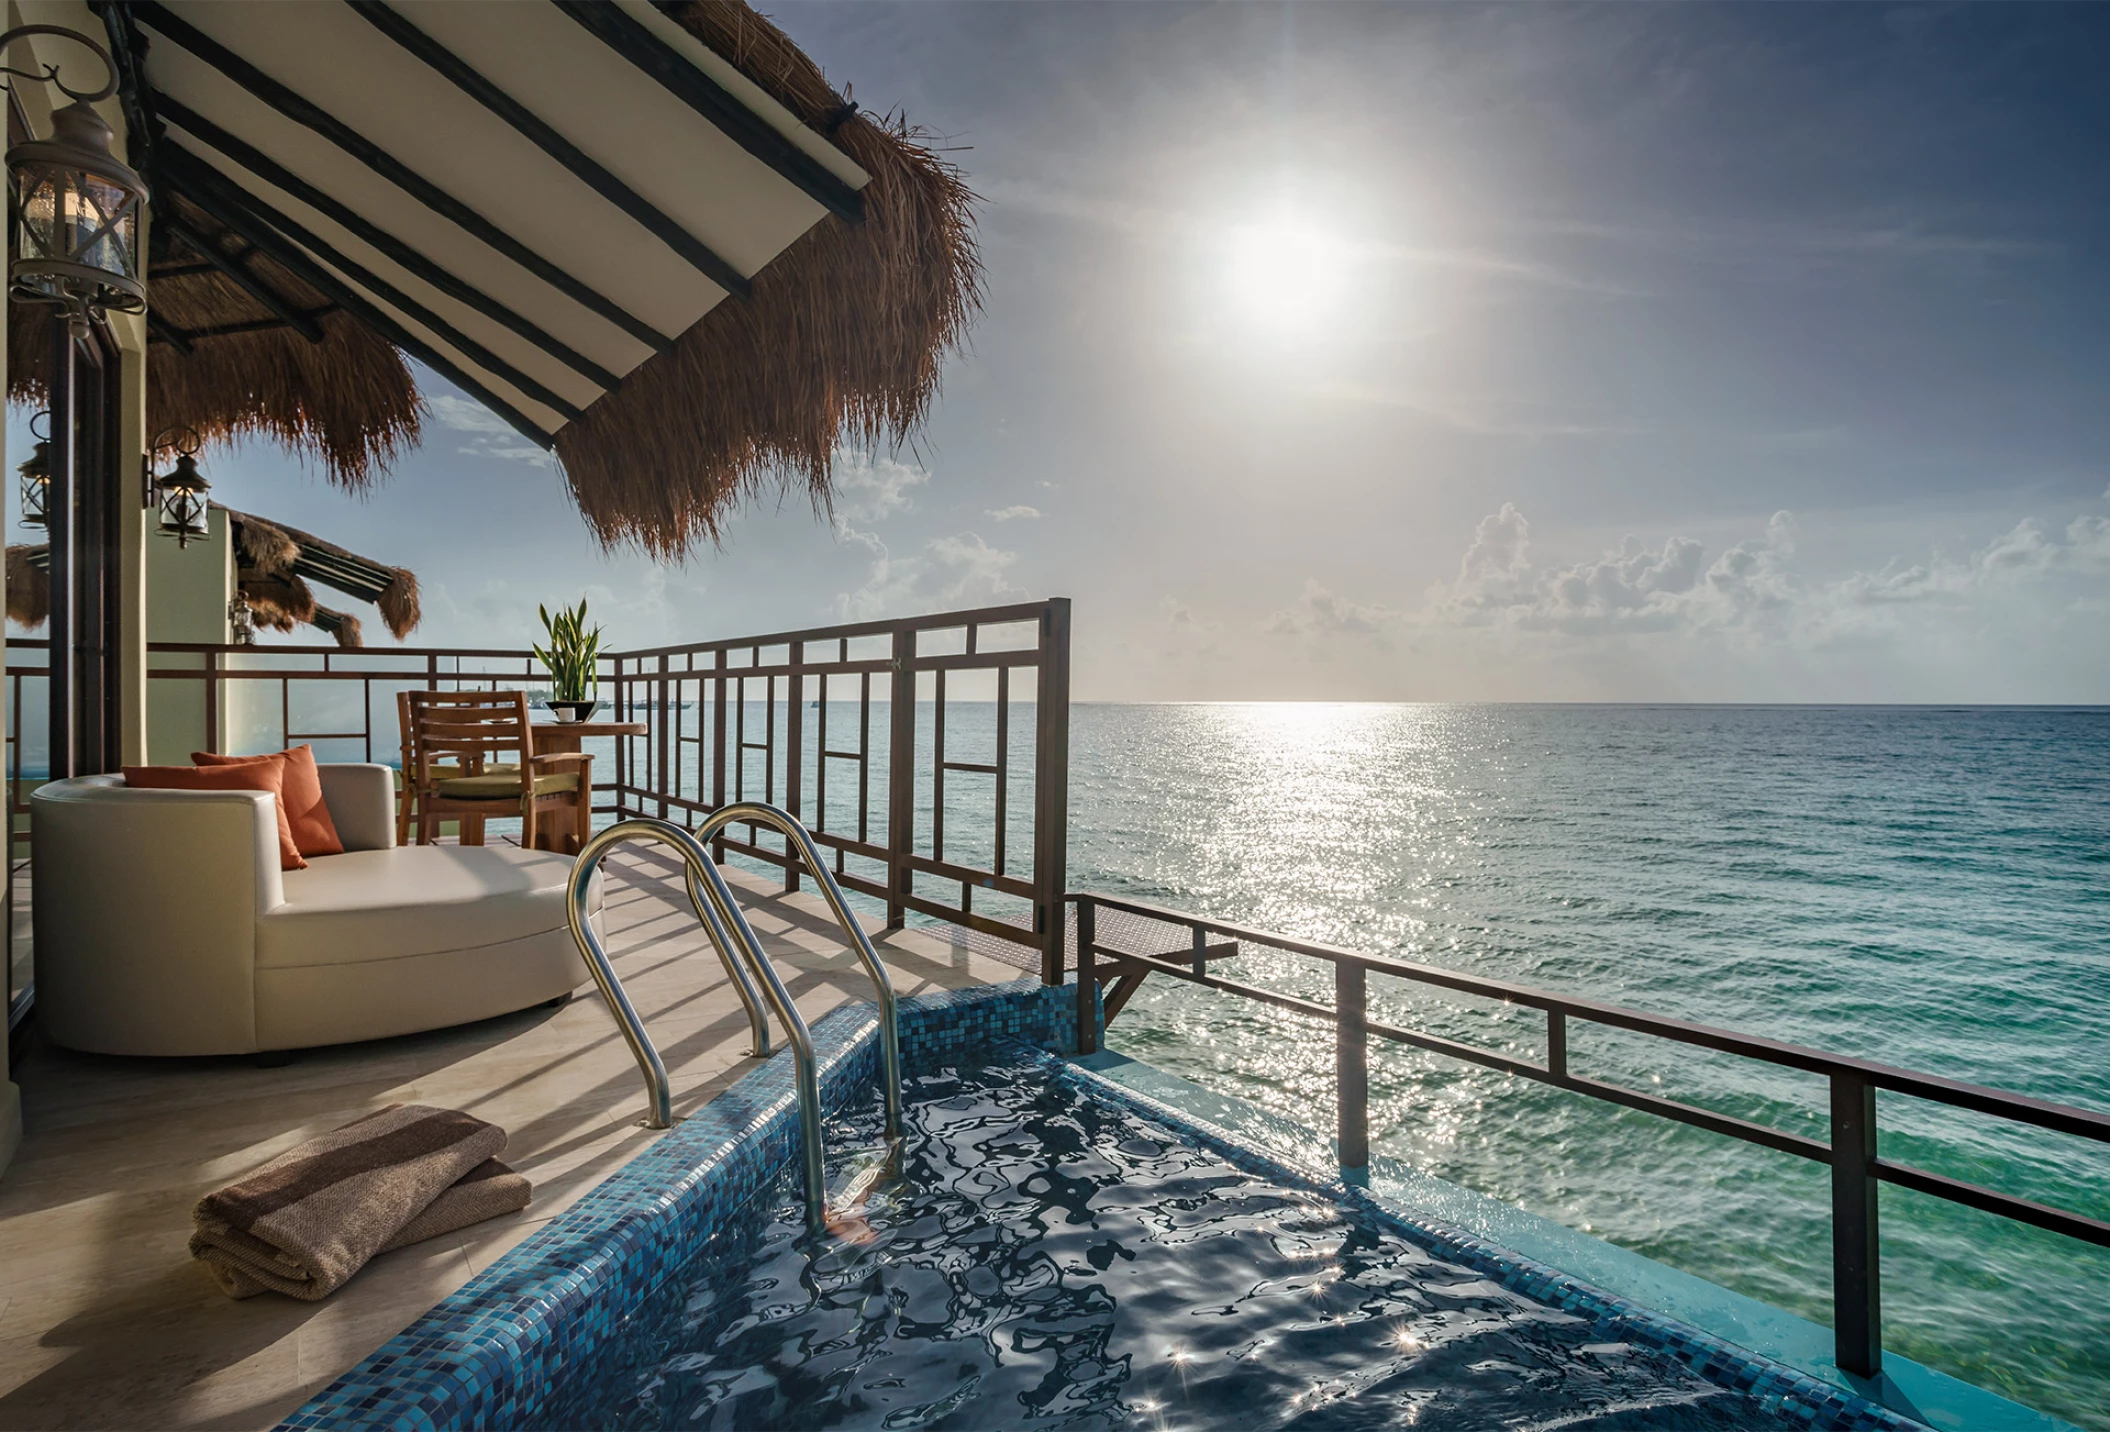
{"type": "Point", "coordinates": [241, 621]}
{"type": "Point", "coordinates": [36, 476]}
{"type": "Point", "coordinates": [180, 492]}
{"type": "Point", "coordinates": [76, 204]}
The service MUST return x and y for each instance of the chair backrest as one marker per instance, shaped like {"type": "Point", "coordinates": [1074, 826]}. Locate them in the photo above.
{"type": "Point", "coordinates": [465, 729]}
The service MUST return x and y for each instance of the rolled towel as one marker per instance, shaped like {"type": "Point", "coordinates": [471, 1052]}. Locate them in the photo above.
{"type": "Point", "coordinates": [311, 1218]}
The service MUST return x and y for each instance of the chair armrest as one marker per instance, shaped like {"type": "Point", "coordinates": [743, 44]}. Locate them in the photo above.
{"type": "Point", "coordinates": [563, 758]}
{"type": "Point", "coordinates": [362, 804]}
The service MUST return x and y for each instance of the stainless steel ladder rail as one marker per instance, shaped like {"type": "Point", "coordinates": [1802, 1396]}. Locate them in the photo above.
{"type": "Point", "coordinates": [737, 946]}
{"type": "Point", "coordinates": [700, 874]}
{"type": "Point", "coordinates": [796, 834]}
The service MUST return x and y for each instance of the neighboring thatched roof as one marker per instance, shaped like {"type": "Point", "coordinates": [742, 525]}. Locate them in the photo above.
{"type": "Point", "coordinates": [276, 563]}
{"type": "Point", "coordinates": [273, 566]}
{"type": "Point", "coordinates": [840, 340]}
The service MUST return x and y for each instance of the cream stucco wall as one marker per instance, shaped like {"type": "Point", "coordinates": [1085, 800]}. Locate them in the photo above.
{"type": "Point", "coordinates": [191, 587]}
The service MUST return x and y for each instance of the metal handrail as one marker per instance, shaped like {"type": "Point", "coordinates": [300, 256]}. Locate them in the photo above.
{"type": "Point", "coordinates": [759, 813]}
{"type": "Point", "coordinates": [701, 875]}
{"type": "Point", "coordinates": [1851, 1152]}
{"type": "Point", "coordinates": [737, 946]}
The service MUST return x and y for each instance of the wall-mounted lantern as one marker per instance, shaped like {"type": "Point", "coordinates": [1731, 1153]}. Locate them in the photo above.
{"type": "Point", "coordinates": [36, 475]}
{"type": "Point", "coordinates": [76, 204]}
{"type": "Point", "coordinates": [180, 492]}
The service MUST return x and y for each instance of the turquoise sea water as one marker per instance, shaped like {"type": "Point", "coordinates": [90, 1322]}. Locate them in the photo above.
{"type": "Point", "coordinates": [1930, 888]}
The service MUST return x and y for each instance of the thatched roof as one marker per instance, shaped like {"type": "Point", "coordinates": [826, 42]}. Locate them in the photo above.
{"type": "Point", "coordinates": [273, 566]}
{"type": "Point", "coordinates": [838, 339]}
{"type": "Point", "coordinates": [841, 340]}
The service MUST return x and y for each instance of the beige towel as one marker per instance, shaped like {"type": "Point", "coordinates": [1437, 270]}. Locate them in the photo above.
{"type": "Point", "coordinates": [311, 1218]}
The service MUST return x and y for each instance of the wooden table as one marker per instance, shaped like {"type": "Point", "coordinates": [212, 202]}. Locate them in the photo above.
{"type": "Point", "coordinates": [552, 831]}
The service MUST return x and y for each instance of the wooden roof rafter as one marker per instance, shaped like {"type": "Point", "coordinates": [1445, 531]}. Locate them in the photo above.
{"type": "Point", "coordinates": [302, 111]}
{"type": "Point", "coordinates": [268, 169]}
{"type": "Point", "coordinates": [246, 216]}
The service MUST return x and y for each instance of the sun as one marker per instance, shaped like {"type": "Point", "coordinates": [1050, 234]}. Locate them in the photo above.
{"type": "Point", "coordinates": [1288, 274]}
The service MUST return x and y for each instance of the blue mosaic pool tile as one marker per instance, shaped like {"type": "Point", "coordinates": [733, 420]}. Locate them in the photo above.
{"type": "Point", "coordinates": [954, 1027]}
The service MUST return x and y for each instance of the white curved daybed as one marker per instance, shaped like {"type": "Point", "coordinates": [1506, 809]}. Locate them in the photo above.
{"type": "Point", "coordinates": [165, 926]}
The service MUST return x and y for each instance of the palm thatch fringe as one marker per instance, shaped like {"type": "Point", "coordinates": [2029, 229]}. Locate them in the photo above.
{"type": "Point", "coordinates": [279, 602]}
{"type": "Point", "coordinates": [343, 626]}
{"type": "Point", "coordinates": [840, 342]}
{"type": "Point", "coordinates": [263, 545]}
{"type": "Point", "coordinates": [348, 402]}
{"type": "Point", "coordinates": [28, 588]}
{"type": "Point", "coordinates": [399, 605]}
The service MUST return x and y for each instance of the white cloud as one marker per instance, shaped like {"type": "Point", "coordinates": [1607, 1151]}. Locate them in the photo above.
{"type": "Point", "coordinates": [869, 489]}
{"type": "Point", "coordinates": [489, 435]}
{"type": "Point", "coordinates": [1014, 514]}
{"type": "Point", "coordinates": [1320, 611]}
{"type": "Point", "coordinates": [948, 572]}
{"type": "Point", "coordinates": [1753, 590]}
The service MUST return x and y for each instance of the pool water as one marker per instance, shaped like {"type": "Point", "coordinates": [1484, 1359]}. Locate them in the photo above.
{"type": "Point", "coordinates": [1035, 1256]}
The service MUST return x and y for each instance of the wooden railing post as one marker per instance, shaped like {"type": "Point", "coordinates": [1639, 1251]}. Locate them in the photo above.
{"type": "Point", "coordinates": [901, 776]}
{"type": "Point", "coordinates": [663, 732]}
{"type": "Point", "coordinates": [212, 702]}
{"type": "Point", "coordinates": [1352, 1062]}
{"type": "Point", "coordinates": [1087, 977]}
{"type": "Point", "coordinates": [794, 755]}
{"type": "Point", "coordinates": [718, 754]}
{"type": "Point", "coordinates": [1857, 1285]}
{"type": "Point", "coordinates": [1051, 787]}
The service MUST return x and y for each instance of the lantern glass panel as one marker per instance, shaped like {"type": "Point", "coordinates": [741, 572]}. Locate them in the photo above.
{"type": "Point", "coordinates": [39, 206]}
{"type": "Point", "coordinates": [36, 491]}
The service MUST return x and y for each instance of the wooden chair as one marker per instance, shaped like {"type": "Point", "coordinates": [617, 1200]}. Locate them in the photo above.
{"type": "Point", "coordinates": [454, 738]}
{"type": "Point", "coordinates": [406, 785]}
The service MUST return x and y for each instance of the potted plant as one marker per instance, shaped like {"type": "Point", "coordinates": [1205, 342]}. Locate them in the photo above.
{"type": "Point", "coordinates": [572, 661]}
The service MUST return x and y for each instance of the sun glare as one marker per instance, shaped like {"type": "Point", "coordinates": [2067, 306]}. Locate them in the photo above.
{"type": "Point", "coordinates": [1287, 274]}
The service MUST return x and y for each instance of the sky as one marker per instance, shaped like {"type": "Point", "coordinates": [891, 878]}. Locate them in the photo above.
{"type": "Point", "coordinates": [1512, 352]}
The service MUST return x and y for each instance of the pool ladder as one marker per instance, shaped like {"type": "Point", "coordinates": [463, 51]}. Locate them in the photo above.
{"type": "Point", "coordinates": [746, 966]}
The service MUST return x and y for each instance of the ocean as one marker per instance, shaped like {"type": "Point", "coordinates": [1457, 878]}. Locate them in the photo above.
{"type": "Point", "coordinates": [1925, 887]}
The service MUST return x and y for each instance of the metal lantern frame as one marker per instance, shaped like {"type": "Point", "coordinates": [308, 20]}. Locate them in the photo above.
{"type": "Point", "coordinates": [77, 205]}
{"type": "Point", "coordinates": [36, 475]}
{"type": "Point", "coordinates": [180, 493]}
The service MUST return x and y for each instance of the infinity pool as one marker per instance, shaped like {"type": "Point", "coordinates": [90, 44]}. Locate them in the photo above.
{"type": "Point", "coordinates": [1037, 1256]}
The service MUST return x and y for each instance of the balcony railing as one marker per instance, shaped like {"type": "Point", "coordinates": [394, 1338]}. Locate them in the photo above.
{"type": "Point", "coordinates": [1121, 943]}
{"type": "Point", "coordinates": [928, 755]}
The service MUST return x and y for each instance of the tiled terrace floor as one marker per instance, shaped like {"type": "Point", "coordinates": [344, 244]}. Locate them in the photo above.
{"type": "Point", "coordinates": [105, 1322]}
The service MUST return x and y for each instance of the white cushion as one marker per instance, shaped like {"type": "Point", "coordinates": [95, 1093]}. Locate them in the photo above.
{"type": "Point", "coordinates": [371, 905]}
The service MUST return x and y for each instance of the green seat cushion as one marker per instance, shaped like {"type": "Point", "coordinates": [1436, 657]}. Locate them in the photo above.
{"type": "Point", "coordinates": [502, 785]}
{"type": "Point", "coordinates": [447, 772]}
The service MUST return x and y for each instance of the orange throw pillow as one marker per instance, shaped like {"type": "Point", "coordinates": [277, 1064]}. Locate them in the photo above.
{"type": "Point", "coordinates": [313, 830]}
{"type": "Point", "coordinates": [255, 776]}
